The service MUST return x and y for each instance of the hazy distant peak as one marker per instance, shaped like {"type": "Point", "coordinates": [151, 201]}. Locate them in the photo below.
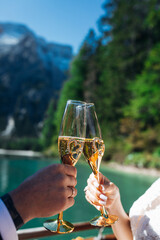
{"type": "Point", "coordinates": [32, 72]}
{"type": "Point", "coordinates": [14, 29]}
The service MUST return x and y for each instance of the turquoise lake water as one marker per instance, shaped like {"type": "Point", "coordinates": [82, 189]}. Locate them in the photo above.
{"type": "Point", "coordinates": [14, 170]}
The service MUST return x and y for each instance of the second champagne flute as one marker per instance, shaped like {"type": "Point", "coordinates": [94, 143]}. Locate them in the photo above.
{"type": "Point", "coordinates": [70, 146]}
{"type": "Point", "coordinates": [93, 151]}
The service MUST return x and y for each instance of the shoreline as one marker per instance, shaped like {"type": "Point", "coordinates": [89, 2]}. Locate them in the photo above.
{"type": "Point", "coordinates": [112, 165]}
{"type": "Point", "coordinates": [20, 153]}
{"type": "Point", "coordinates": [133, 170]}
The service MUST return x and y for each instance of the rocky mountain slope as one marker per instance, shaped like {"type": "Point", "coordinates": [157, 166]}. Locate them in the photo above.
{"type": "Point", "coordinates": [32, 72]}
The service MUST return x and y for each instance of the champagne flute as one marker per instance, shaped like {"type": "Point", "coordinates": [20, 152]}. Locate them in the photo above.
{"type": "Point", "coordinates": [93, 151]}
{"type": "Point", "coordinates": [70, 146]}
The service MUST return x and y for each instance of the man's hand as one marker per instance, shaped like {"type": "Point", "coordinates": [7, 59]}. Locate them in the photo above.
{"type": "Point", "coordinates": [46, 193]}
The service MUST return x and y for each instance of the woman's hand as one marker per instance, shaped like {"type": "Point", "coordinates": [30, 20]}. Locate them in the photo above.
{"type": "Point", "coordinates": [102, 193]}
{"type": "Point", "coordinates": [105, 193]}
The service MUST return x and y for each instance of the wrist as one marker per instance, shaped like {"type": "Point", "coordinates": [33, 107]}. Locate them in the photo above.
{"type": "Point", "coordinates": [21, 204]}
{"type": "Point", "coordinates": [116, 208]}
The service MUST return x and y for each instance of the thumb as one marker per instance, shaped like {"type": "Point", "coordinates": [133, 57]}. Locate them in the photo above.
{"type": "Point", "coordinates": [103, 180]}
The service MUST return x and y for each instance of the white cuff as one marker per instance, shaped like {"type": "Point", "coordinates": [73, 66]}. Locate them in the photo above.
{"type": "Point", "coordinates": [7, 227]}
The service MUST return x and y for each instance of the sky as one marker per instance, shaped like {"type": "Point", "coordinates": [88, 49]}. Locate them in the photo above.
{"type": "Point", "coordinates": [60, 21]}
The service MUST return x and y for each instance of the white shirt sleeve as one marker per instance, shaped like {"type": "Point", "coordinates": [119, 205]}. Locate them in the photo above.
{"type": "Point", "coordinates": [145, 214]}
{"type": "Point", "coordinates": [7, 227]}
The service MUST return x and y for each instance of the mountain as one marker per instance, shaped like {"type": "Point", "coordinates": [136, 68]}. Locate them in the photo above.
{"type": "Point", "coordinates": [32, 72]}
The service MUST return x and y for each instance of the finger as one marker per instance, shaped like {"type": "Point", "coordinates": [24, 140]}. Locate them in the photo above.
{"type": "Point", "coordinates": [102, 191]}
{"type": "Point", "coordinates": [106, 186]}
{"type": "Point", "coordinates": [93, 187]}
{"type": "Point", "coordinates": [105, 193]}
{"type": "Point", "coordinates": [110, 190]}
{"type": "Point", "coordinates": [98, 181]}
{"type": "Point", "coordinates": [99, 178]}
{"type": "Point", "coordinates": [100, 200]}
{"type": "Point", "coordinates": [70, 202]}
{"type": "Point", "coordinates": [72, 192]}
{"type": "Point", "coordinates": [64, 180]}
{"type": "Point", "coordinates": [92, 198]}
{"type": "Point", "coordinates": [92, 177]}
{"type": "Point", "coordinates": [103, 180]}
{"type": "Point", "coordinates": [91, 180]}
{"type": "Point", "coordinates": [113, 193]}
{"type": "Point", "coordinates": [71, 181]}
{"type": "Point", "coordinates": [93, 183]}
{"type": "Point", "coordinates": [88, 199]}
{"type": "Point", "coordinates": [70, 170]}
{"type": "Point", "coordinates": [96, 206]}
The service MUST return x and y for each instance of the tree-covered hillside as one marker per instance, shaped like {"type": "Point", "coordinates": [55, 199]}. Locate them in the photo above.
{"type": "Point", "coordinates": [118, 70]}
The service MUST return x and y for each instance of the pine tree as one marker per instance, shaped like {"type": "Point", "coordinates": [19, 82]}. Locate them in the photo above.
{"type": "Point", "coordinates": [49, 128]}
{"type": "Point", "coordinates": [81, 81]}
{"type": "Point", "coordinates": [145, 105]}
{"type": "Point", "coordinates": [128, 40]}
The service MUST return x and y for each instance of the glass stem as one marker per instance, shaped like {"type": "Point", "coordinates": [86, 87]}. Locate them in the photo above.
{"type": "Point", "coordinates": [60, 216]}
{"type": "Point", "coordinates": [103, 212]}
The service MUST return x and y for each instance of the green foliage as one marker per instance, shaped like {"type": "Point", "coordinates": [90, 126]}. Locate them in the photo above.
{"type": "Point", "coordinates": [145, 104]}
{"type": "Point", "coordinates": [119, 71]}
{"type": "Point", "coordinates": [75, 88]}
{"type": "Point", "coordinates": [114, 150]}
{"type": "Point", "coordinates": [129, 36]}
{"type": "Point", "coordinates": [156, 152]}
{"type": "Point", "coordinates": [144, 160]}
{"type": "Point", "coordinates": [49, 128]}
{"type": "Point", "coordinates": [33, 144]}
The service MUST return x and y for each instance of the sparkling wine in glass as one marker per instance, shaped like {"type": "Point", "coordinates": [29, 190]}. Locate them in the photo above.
{"type": "Point", "coordinates": [93, 151]}
{"type": "Point", "coordinates": [70, 146]}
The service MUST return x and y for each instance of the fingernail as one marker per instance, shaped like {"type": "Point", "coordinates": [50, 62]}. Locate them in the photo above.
{"type": "Point", "coordinates": [102, 202]}
{"type": "Point", "coordinates": [96, 184]}
{"type": "Point", "coordinates": [103, 197]}
{"type": "Point", "coordinates": [102, 187]}
{"type": "Point", "coordinates": [92, 176]}
{"type": "Point", "coordinates": [85, 189]}
{"type": "Point", "coordinates": [98, 208]}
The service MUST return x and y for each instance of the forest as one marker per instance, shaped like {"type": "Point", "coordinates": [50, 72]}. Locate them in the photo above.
{"type": "Point", "coordinates": [118, 70]}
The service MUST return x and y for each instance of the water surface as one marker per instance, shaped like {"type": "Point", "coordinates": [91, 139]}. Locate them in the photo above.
{"type": "Point", "coordinates": [14, 170]}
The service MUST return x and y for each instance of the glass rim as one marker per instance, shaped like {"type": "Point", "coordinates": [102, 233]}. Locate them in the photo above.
{"type": "Point", "coordinates": [76, 101]}
{"type": "Point", "coordinates": [90, 104]}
